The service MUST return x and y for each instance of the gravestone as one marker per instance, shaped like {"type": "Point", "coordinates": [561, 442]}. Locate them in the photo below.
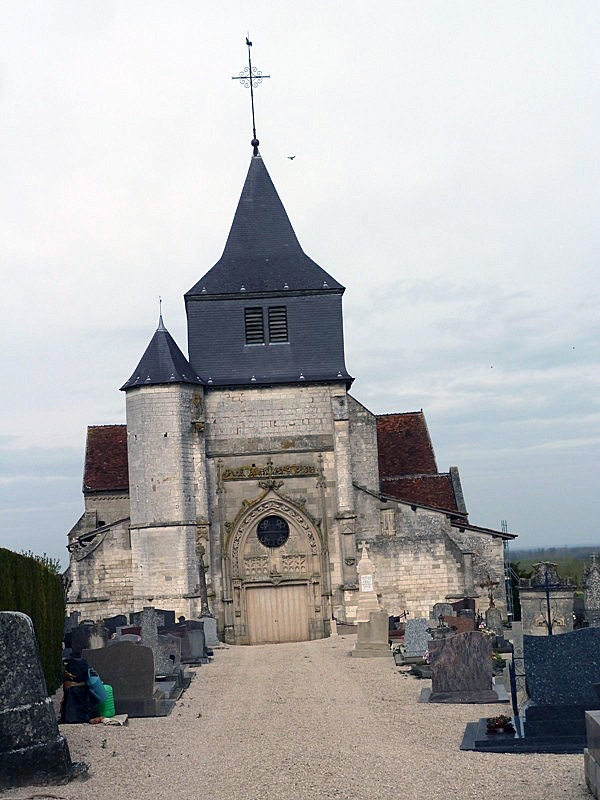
{"type": "Point", "coordinates": [442, 609]}
{"type": "Point", "coordinates": [372, 637]}
{"type": "Point", "coordinates": [460, 624]}
{"type": "Point", "coordinates": [193, 646]}
{"type": "Point", "coordinates": [592, 594]}
{"type": "Point", "coordinates": [416, 639]}
{"type": "Point", "coordinates": [535, 615]}
{"type": "Point", "coordinates": [461, 671]}
{"type": "Point", "coordinates": [493, 621]}
{"type": "Point", "coordinates": [129, 669]}
{"type": "Point", "coordinates": [31, 747]}
{"type": "Point", "coordinates": [88, 636]}
{"type": "Point", "coordinates": [72, 621]}
{"type": "Point", "coordinates": [211, 638]}
{"type": "Point", "coordinates": [149, 621]}
{"type": "Point", "coordinates": [591, 755]}
{"type": "Point", "coordinates": [465, 603]}
{"type": "Point", "coordinates": [112, 623]}
{"type": "Point", "coordinates": [563, 675]}
{"type": "Point", "coordinates": [367, 597]}
{"type": "Point", "coordinates": [163, 617]}
{"type": "Point", "coordinates": [167, 656]}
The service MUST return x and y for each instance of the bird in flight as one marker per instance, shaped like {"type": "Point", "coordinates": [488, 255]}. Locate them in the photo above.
{"type": "Point", "coordinates": [291, 158]}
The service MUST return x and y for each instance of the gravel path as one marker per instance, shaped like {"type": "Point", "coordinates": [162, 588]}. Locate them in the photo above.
{"type": "Point", "coordinates": [305, 720]}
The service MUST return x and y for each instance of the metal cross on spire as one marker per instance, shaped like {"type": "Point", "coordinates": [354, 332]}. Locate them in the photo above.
{"type": "Point", "coordinates": [251, 77]}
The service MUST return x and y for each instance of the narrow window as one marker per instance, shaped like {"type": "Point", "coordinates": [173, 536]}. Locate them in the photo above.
{"type": "Point", "coordinates": [278, 329]}
{"type": "Point", "coordinates": [255, 329]}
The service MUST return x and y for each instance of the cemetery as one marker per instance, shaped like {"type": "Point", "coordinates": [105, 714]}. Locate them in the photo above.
{"type": "Point", "coordinates": [540, 694]}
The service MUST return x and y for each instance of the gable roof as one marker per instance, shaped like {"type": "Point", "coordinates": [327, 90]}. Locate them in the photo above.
{"type": "Point", "coordinates": [162, 362]}
{"type": "Point", "coordinates": [105, 467]}
{"type": "Point", "coordinates": [262, 252]}
{"type": "Point", "coordinates": [428, 490]}
{"type": "Point", "coordinates": [407, 466]}
{"type": "Point", "coordinates": [404, 445]}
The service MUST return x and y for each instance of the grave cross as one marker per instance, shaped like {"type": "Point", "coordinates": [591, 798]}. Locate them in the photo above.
{"type": "Point", "coordinates": [489, 584]}
{"type": "Point", "coordinates": [251, 77]}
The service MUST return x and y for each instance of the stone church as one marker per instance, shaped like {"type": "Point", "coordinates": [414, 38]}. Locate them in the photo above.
{"type": "Point", "coordinates": [247, 477]}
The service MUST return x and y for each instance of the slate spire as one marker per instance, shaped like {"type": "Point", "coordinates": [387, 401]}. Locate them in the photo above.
{"type": "Point", "coordinates": [162, 362]}
{"type": "Point", "coordinates": [262, 252]}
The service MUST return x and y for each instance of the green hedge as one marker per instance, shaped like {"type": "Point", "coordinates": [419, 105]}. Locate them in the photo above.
{"type": "Point", "coordinates": [31, 587]}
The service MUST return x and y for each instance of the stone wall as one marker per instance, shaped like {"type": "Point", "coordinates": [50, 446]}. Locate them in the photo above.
{"type": "Point", "coordinates": [101, 574]}
{"type": "Point", "coordinates": [269, 419]}
{"type": "Point", "coordinates": [160, 444]}
{"type": "Point", "coordinates": [108, 506]}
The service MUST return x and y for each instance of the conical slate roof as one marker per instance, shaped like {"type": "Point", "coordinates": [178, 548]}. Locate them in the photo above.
{"type": "Point", "coordinates": [262, 253]}
{"type": "Point", "coordinates": [163, 362]}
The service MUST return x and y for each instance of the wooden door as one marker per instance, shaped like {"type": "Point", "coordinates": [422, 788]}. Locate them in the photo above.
{"type": "Point", "coordinates": [277, 613]}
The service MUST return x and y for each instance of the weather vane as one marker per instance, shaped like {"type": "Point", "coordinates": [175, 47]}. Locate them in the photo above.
{"type": "Point", "coordinates": [251, 77]}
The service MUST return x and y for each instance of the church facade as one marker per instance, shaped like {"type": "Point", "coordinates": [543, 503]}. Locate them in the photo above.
{"type": "Point", "coordinates": [247, 476]}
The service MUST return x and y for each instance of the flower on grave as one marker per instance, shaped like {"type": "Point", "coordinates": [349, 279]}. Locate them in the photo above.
{"type": "Point", "coordinates": [497, 660]}
{"type": "Point", "coordinates": [500, 723]}
{"type": "Point", "coordinates": [427, 657]}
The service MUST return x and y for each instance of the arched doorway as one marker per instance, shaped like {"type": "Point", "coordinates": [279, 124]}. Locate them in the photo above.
{"type": "Point", "coordinates": [278, 591]}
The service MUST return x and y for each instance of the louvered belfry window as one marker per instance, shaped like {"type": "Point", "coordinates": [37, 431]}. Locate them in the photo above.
{"type": "Point", "coordinates": [278, 329]}
{"type": "Point", "coordinates": [255, 327]}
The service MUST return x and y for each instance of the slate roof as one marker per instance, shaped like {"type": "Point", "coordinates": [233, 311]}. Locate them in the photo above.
{"type": "Point", "coordinates": [162, 362]}
{"type": "Point", "coordinates": [262, 252]}
{"type": "Point", "coordinates": [105, 467]}
{"type": "Point", "coordinates": [407, 466]}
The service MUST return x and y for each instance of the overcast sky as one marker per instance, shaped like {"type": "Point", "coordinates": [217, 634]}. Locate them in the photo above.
{"type": "Point", "coordinates": [446, 172]}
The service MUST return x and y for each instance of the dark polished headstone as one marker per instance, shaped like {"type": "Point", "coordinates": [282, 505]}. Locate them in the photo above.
{"type": "Point", "coordinates": [561, 673]}
{"type": "Point", "coordinates": [31, 747]}
{"type": "Point", "coordinates": [562, 670]}
{"type": "Point", "coordinates": [129, 669]}
{"type": "Point", "coordinates": [163, 616]}
{"type": "Point", "coordinates": [112, 623]}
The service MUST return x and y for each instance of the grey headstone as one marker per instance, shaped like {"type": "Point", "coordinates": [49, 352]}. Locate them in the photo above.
{"type": "Point", "coordinates": [563, 669]}
{"type": "Point", "coordinates": [372, 638]}
{"type": "Point", "coordinates": [445, 609]}
{"type": "Point", "coordinates": [493, 621]}
{"type": "Point", "coordinates": [210, 632]}
{"type": "Point", "coordinates": [167, 660]}
{"type": "Point", "coordinates": [149, 621]}
{"type": "Point", "coordinates": [416, 637]}
{"type": "Point", "coordinates": [592, 595]}
{"type": "Point", "coordinates": [191, 634]}
{"type": "Point", "coordinates": [31, 748]}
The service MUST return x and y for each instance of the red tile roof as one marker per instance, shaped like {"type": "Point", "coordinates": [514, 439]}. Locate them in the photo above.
{"type": "Point", "coordinates": [427, 490]}
{"type": "Point", "coordinates": [404, 445]}
{"type": "Point", "coordinates": [407, 466]}
{"type": "Point", "coordinates": [106, 459]}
